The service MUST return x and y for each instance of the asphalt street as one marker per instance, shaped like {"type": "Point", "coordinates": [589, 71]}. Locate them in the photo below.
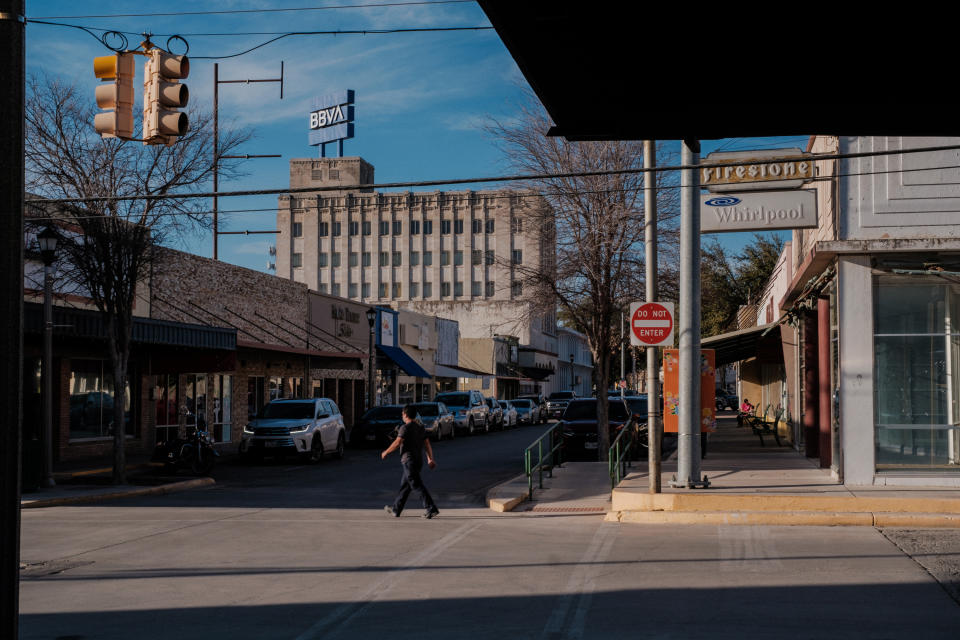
{"type": "Point", "coordinates": [292, 551]}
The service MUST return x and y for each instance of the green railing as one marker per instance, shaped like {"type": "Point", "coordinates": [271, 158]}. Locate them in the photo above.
{"type": "Point", "coordinates": [619, 456]}
{"type": "Point", "coordinates": [552, 458]}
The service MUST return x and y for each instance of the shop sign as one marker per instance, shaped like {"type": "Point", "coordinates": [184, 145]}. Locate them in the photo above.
{"type": "Point", "coordinates": [758, 211]}
{"type": "Point", "coordinates": [757, 170]}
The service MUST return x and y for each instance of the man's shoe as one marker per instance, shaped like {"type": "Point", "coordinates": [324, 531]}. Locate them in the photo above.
{"type": "Point", "coordinates": [433, 512]}
{"type": "Point", "coordinates": [391, 511]}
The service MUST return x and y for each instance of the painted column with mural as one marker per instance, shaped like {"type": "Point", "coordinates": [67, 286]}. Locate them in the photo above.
{"type": "Point", "coordinates": [671, 390]}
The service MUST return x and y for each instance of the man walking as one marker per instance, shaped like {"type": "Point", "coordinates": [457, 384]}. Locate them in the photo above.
{"type": "Point", "coordinates": [411, 440]}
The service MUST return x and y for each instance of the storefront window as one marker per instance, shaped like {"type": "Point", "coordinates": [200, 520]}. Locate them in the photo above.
{"type": "Point", "coordinates": [222, 407]}
{"type": "Point", "coordinates": [92, 401]}
{"type": "Point", "coordinates": [405, 393]}
{"type": "Point", "coordinates": [917, 360]}
{"type": "Point", "coordinates": [255, 393]}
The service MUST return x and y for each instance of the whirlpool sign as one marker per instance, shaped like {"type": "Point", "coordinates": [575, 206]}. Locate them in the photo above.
{"type": "Point", "coordinates": [758, 211]}
{"type": "Point", "coordinates": [332, 117]}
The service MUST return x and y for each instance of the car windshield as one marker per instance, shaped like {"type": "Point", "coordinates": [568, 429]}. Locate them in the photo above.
{"type": "Point", "coordinates": [561, 395]}
{"type": "Point", "coordinates": [288, 410]}
{"type": "Point", "coordinates": [454, 399]}
{"type": "Point", "coordinates": [521, 404]}
{"type": "Point", "coordinates": [427, 409]}
{"type": "Point", "coordinates": [490, 402]}
{"type": "Point", "coordinates": [383, 413]}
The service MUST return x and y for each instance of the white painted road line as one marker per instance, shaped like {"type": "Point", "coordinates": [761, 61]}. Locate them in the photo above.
{"type": "Point", "coordinates": [330, 626]}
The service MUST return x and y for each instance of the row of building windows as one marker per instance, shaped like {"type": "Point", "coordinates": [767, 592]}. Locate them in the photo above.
{"type": "Point", "coordinates": [396, 227]}
{"type": "Point", "coordinates": [396, 289]}
{"type": "Point", "coordinates": [395, 258]}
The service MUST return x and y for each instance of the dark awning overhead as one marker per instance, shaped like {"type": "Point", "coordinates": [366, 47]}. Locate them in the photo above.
{"type": "Point", "coordinates": [744, 344]}
{"type": "Point", "coordinates": [670, 71]}
{"type": "Point", "coordinates": [537, 373]}
{"type": "Point", "coordinates": [86, 324]}
{"type": "Point", "coordinates": [402, 360]}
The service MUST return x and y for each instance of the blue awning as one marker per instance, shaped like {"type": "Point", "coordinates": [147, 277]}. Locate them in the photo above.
{"type": "Point", "coordinates": [403, 361]}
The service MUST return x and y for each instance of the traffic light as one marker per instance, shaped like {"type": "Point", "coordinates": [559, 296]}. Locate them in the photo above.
{"type": "Point", "coordinates": [163, 94]}
{"type": "Point", "coordinates": [116, 97]}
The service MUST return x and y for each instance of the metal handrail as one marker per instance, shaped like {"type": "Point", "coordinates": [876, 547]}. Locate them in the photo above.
{"type": "Point", "coordinates": [528, 465]}
{"type": "Point", "coordinates": [618, 458]}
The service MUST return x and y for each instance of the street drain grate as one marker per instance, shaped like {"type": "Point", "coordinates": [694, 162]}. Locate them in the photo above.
{"type": "Point", "coordinates": [568, 509]}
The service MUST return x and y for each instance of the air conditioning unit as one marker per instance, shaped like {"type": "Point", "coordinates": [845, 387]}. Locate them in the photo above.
{"type": "Point", "coordinates": [271, 266]}
{"type": "Point", "coordinates": [272, 250]}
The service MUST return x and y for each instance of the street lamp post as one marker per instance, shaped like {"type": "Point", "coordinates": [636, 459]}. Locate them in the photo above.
{"type": "Point", "coordinates": [47, 239]}
{"type": "Point", "coordinates": [573, 378]}
{"type": "Point", "coordinates": [371, 320]}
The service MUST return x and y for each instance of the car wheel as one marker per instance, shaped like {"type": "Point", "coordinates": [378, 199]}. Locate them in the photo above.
{"type": "Point", "coordinates": [341, 449]}
{"type": "Point", "coordinates": [316, 450]}
{"type": "Point", "coordinates": [471, 429]}
{"type": "Point", "coordinates": [453, 431]}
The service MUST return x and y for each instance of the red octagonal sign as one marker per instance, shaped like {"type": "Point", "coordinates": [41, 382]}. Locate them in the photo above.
{"type": "Point", "coordinates": [651, 324]}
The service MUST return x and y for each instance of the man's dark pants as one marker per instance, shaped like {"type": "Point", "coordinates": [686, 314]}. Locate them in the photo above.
{"type": "Point", "coordinates": [411, 481]}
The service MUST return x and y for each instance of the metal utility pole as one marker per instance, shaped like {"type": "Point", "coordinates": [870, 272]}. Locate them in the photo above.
{"type": "Point", "coordinates": [11, 307]}
{"type": "Point", "coordinates": [654, 407]}
{"type": "Point", "coordinates": [216, 143]}
{"type": "Point", "coordinates": [688, 454]}
{"type": "Point", "coordinates": [623, 357]}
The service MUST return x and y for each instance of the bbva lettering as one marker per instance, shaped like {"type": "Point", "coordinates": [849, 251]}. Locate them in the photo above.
{"type": "Point", "coordinates": [326, 117]}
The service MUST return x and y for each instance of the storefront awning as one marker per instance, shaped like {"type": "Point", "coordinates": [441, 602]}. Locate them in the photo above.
{"type": "Point", "coordinates": [402, 360]}
{"type": "Point", "coordinates": [446, 371]}
{"type": "Point", "coordinates": [537, 373]}
{"type": "Point", "coordinates": [743, 343]}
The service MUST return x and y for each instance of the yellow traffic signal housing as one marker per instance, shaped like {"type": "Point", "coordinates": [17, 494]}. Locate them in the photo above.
{"type": "Point", "coordinates": [163, 94]}
{"type": "Point", "coordinates": [116, 97]}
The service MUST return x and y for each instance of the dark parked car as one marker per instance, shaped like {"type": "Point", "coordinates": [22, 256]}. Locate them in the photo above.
{"type": "Point", "coordinates": [437, 419]}
{"type": "Point", "coordinates": [539, 406]}
{"type": "Point", "coordinates": [376, 426]}
{"type": "Point", "coordinates": [579, 424]}
{"type": "Point", "coordinates": [557, 403]}
{"type": "Point", "coordinates": [496, 413]}
{"type": "Point", "coordinates": [527, 411]}
{"type": "Point", "coordinates": [727, 401]}
{"type": "Point", "coordinates": [470, 412]}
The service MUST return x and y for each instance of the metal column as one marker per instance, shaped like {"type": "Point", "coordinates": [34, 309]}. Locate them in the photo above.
{"type": "Point", "coordinates": [654, 407]}
{"type": "Point", "coordinates": [688, 454]}
{"type": "Point", "coordinates": [11, 307]}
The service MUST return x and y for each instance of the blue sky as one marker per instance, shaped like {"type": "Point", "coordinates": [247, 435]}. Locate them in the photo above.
{"type": "Point", "coordinates": [420, 98]}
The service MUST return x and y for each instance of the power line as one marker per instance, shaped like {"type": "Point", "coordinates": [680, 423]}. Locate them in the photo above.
{"type": "Point", "coordinates": [247, 11]}
{"type": "Point", "coordinates": [120, 36]}
{"type": "Point", "coordinates": [511, 178]}
{"type": "Point", "coordinates": [538, 194]}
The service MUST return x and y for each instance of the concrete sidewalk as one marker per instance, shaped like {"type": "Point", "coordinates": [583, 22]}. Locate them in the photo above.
{"type": "Point", "coordinates": [752, 484]}
{"type": "Point", "coordinates": [575, 487]}
{"type": "Point", "coordinates": [90, 483]}
{"type": "Point", "coordinates": [749, 484]}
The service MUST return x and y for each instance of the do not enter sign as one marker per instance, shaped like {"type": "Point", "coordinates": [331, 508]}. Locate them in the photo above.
{"type": "Point", "coordinates": [651, 324]}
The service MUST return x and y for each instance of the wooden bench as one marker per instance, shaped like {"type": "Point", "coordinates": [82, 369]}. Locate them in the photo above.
{"type": "Point", "coordinates": [762, 426]}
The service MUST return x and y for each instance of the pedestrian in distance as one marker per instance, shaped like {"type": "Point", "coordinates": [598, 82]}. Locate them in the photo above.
{"type": "Point", "coordinates": [412, 441]}
{"type": "Point", "coordinates": [745, 410]}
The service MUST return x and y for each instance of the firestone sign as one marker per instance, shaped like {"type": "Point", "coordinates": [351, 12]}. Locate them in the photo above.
{"type": "Point", "coordinates": [757, 170]}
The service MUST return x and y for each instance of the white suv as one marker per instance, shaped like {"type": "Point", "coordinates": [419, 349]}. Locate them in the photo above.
{"type": "Point", "coordinates": [309, 427]}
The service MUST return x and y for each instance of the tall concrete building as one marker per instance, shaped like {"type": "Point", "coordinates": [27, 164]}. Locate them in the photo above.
{"type": "Point", "coordinates": [456, 255]}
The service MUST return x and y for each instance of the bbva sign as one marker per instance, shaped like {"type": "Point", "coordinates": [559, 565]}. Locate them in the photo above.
{"type": "Point", "coordinates": [331, 116]}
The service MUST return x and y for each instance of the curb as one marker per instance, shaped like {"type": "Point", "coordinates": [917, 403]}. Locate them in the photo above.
{"type": "Point", "coordinates": [113, 495]}
{"type": "Point", "coordinates": [503, 497]}
{"type": "Point", "coordinates": [57, 475]}
{"type": "Point", "coordinates": [790, 518]}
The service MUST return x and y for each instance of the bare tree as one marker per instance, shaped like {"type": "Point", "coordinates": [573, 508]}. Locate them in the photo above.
{"type": "Point", "coordinates": [598, 228]}
{"type": "Point", "coordinates": [110, 244]}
